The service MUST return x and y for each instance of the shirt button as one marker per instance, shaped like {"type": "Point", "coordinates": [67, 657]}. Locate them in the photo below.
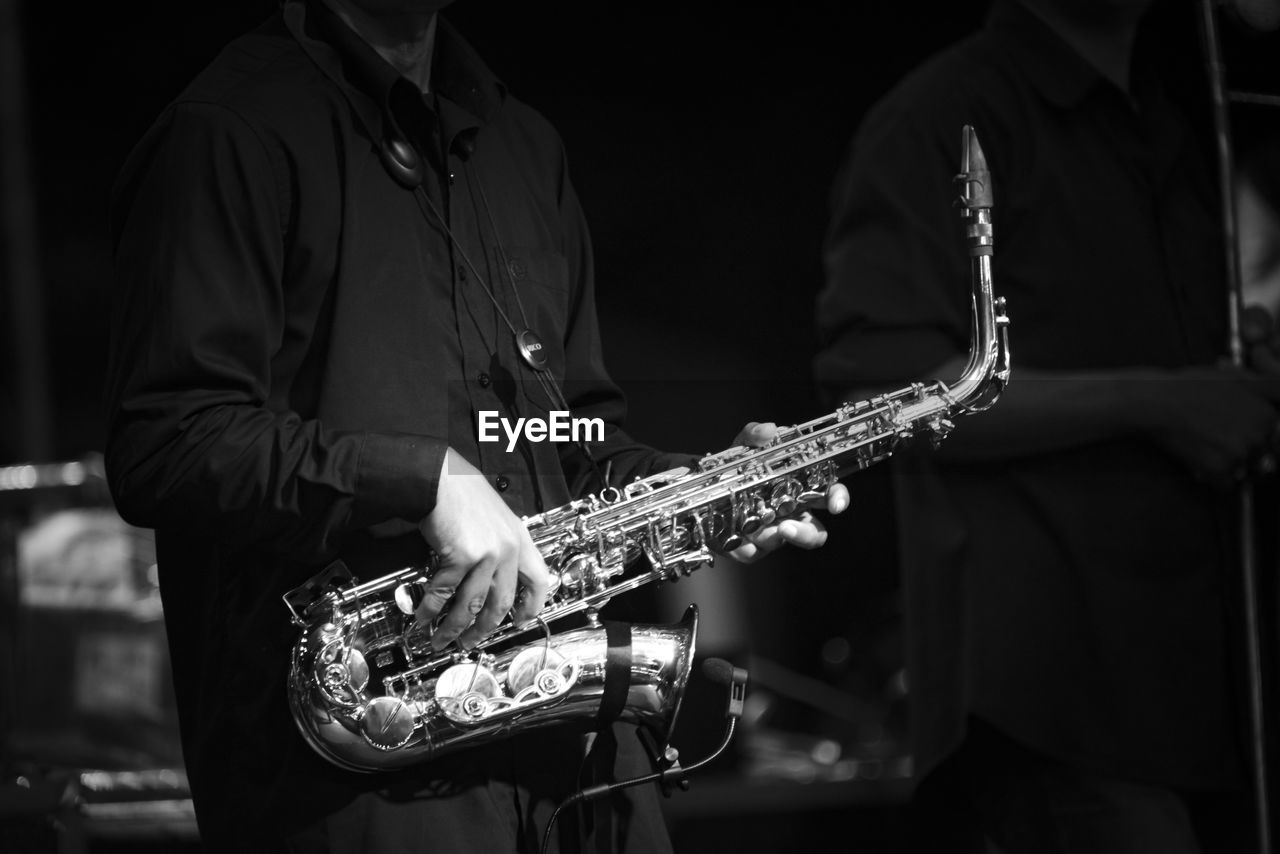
{"type": "Point", "coordinates": [462, 274]}
{"type": "Point", "coordinates": [450, 179]}
{"type": "Point", "coordinates": [484, 380]}
{"type": "Point", "coordinates": [502, 483]}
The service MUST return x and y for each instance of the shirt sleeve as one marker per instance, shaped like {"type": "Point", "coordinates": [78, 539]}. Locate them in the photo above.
{"type": "Point", "coordinates": [591, 393]}
{"type": "Point", "coordinates": [195, 441]}
{"type": "Point", "coordinates": [895, 301]}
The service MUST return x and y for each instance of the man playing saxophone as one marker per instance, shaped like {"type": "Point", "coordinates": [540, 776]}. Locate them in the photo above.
{"type": "Point", "coordinates": [344, 240]}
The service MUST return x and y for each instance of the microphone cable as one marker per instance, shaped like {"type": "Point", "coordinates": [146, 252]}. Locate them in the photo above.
{"type": "Point", "coordinates": [716, 670]}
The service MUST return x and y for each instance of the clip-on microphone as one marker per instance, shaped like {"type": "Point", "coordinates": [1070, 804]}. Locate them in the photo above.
{"type": "Point", "coordinates": [671, 774]}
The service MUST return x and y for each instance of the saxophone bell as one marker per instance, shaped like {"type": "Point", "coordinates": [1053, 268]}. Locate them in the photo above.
{"type": "Point", "coordinates": [391, 715]}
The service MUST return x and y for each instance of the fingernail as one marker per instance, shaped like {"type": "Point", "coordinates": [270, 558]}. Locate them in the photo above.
{"type": "Point", "coordinates": [841, 503]}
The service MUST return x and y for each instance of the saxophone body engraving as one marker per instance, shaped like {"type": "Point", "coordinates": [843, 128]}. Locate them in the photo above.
{"type": "Point", "coordinates": [368, 692]}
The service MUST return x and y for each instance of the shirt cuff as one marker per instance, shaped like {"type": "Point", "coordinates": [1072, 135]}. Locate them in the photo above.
{"type": "Point", "coordinates": [667, 461]}
{"type": "Point", "coordinates": [398, 477]}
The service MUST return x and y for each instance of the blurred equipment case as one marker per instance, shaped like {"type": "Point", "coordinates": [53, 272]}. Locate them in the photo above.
{"type": "Point", "coordinates": [87, 708]}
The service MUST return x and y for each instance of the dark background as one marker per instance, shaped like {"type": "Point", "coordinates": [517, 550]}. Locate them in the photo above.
{"type": "Point", "coordinates": [702, 139]}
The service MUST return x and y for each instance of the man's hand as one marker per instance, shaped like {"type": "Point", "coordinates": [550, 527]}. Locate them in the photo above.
{"type": "Point", "coordinates": [800, 529]}
{"type": "Point", "coordinates": [1261, 340]}
{"type": "Point", "coordinates": [485, 552]}
{"type": "Point", "coordinates": [1217, 421]}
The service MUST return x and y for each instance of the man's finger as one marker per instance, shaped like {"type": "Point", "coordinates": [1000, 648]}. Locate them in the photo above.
{"type": "Point", "coordinates": [744, 435]}
{"type": "Point", "coordinates": [502, 593]}
{"type": "Point", "coordinates": [746, 553]}
{"type": "Point", "coordinates": [434, 600]}
{"type": "Point", "coordinates": [468, 602]}
{"type": "Point", "coordinates": [536, 582]}
{"type": "Point", "coordinates": [804, 532]}
{"type": "Point", "coordinates": [767, 538]}
{"type": "Point", "coordinates": [440, 589]}
{"type": "Point", "coordinates": [837, 498]}
{"type": "Point", "coordinates": [756, 434]}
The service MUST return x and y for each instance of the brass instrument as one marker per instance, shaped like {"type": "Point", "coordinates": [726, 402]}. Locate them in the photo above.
{"type": "Point", "coordinates": [369, 693]}
{"type": "Point", "coordinates": [1259, 15]}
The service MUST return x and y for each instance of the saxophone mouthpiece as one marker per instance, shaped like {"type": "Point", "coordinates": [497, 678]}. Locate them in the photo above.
{"type": "Point", "coordinates": [974, 177]}
{"type": "Point", "coordinates": [976, 197]}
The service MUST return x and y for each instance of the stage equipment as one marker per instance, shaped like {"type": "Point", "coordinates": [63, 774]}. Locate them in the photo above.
{"type": "Point", "coordinates": [89, 745]}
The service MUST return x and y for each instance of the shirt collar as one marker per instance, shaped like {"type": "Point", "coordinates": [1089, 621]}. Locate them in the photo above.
{"type": "Point", "coordinates": [1065, 79]}
{"type": "Point", "coordinates": [370, 82]}
{"type": "Point", "coordinates": [1055, 69]}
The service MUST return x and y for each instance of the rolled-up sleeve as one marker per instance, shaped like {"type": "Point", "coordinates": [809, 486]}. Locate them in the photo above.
{"type": "Point", "coordinates": [195, 442]}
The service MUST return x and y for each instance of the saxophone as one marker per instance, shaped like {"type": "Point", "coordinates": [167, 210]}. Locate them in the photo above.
{"type": "Point", "coordinates": [369, 693]}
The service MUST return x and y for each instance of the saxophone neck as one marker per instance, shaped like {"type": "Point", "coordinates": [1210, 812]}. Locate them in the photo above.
{"type": "Point", "coordinates": [987, 372]}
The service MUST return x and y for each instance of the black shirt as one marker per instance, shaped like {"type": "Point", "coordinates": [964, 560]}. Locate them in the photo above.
{"type": "Point", "coordinates": [296, 343]}
{"type": "Point", "coordinates": [1073, 598]}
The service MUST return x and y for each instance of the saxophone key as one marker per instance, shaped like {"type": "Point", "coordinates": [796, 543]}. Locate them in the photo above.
{"type": "Point", "coordinates": [698, 534]}
{"type": "Point", "coordinates": [388, 723]}
{"type": "Point", "coordinates": [759, 515]}
{"type": "Point", "coordinates": [409, 596]}
{"type": "Point", "coordinates": [722, 535]}
{"type": "Point", "coordinates": [550, 683]}
{"type": "Point", "coordinates": [578, 575]}
{"type": "Point", "coordinates": [528, 665]}
{"type": "Point", "coordinates": [732, 541]}
{"type": "Point", "coordinates": [785, 496]}
{"type": "Point", "coordinates": [474, 706]}
{"type": "Point", "coordinates": [342, 673]}
{"type": "Point", "coordinates": [816, 481]}
{"type": "Point", "coordinates": [464, 691]}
